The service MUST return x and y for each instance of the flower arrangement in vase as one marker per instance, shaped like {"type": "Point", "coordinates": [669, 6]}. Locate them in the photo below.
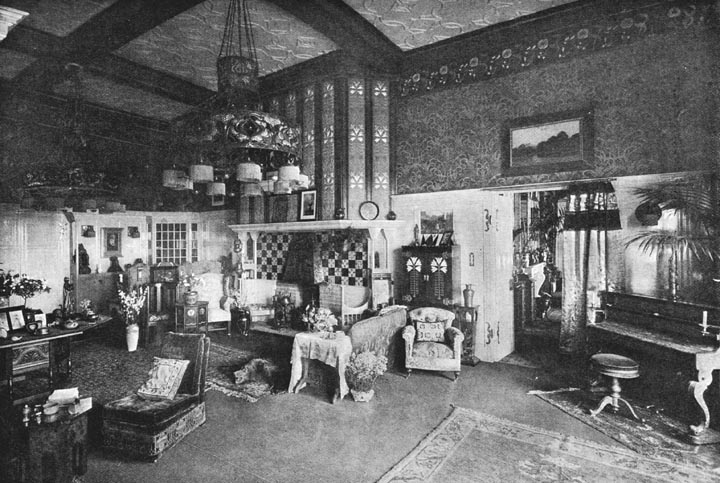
{"type": "Point", "coordinates": [190, 282]}
{"type": "Point", "coordinates": [362, 371]}
{"type": "Point", "coordinates": [12, 283]}
{"type": "Point", "coordinates": [131, 304]}
{"type": "Point", "coordinates": [319, 319]}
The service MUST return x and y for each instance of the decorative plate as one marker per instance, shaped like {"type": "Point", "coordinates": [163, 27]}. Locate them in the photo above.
{"type": "Point", "coordinates": [369, 210]}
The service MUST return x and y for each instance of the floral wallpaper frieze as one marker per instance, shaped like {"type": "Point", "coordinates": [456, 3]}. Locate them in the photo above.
{"type": "Point", "coordinates": [654, 102]}
{"type": "Point", "coordinates": [545, 47]}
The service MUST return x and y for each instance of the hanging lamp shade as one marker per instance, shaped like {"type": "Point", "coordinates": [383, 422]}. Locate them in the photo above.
{"type": "Point", "coordinates": [282, 187]}
{"type": "Point", "coordinates": [215, 189]}
{"type": "Point", "coordinates": [289, 173]}
{"type": "Point", "coordinates": [176, 179]}
{"type": "Point", "coordinates": [201, 173]}
{"type": "Point", "coordinates": [248, 172]}
{"type": "Point", "coordinates": [250, 189]}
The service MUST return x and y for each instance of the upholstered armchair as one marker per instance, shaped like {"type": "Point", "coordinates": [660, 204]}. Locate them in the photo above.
{"type": "Point", "coordinates": [431, 342]}
{"type": "Point", "coordinates": [158, 416]}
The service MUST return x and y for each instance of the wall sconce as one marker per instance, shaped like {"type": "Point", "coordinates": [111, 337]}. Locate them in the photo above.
{"type": "Point", "coordinates": [133, 232]}
{"type": "Point", "coordinates": [88, 231]}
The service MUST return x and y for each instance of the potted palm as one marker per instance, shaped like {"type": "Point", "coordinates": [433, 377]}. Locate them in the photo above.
{"type": "Point", "coordinates": [698, 225]}
{"type": "Point", "coordinates": [362, 371]}
{"type": "Point", "coordinates": [131, 305]}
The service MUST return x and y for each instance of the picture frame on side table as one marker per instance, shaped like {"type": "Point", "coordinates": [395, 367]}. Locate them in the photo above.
{"type": "Point", "coordinates": [308, 205]}
{"type": "Point", "coordinates": [548, 143]}
{"type": "Point", "coordinates": [16, 317]}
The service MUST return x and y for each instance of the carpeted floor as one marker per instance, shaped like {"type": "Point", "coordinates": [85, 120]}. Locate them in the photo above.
{"type": "Point", "coordinates": [469, 443]}
{"type": "Point", "coordinates": [658, 436]}
{"type": "Point", "coordinates": [108, 371]}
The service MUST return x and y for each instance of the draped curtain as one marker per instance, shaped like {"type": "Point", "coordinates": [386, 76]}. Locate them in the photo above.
{"type": "Point", "coordinates": [591, 212]}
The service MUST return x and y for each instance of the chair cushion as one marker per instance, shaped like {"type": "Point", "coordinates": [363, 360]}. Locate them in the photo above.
{"type": "Point", "coordinates": [136, 410]}
{"type": "Point", "coordinates": [432, 350]}
{"type": "Point", "coordinates": [165, 378]}
{"type": "Point", "coordinates": [218, 315]}
{"type": "Point", "coordinates": [430, 331]}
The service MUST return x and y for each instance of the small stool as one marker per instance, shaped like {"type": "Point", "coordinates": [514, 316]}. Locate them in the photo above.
{"type": "Point", "coordinates": [615, 367]}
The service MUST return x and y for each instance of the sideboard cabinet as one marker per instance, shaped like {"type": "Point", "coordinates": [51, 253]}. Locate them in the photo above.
{"type": "Point", "coordinates": [431, 275]}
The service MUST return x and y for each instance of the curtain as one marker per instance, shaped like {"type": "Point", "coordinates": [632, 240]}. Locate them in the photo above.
{"type": "Point", "coordinates": [583, 255]}
{"type": "Point", "coordinates": [583, 260]}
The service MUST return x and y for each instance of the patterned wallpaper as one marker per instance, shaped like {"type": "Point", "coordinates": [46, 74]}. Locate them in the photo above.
{"type": "Point", "coordinates": [415, 23]}
{"type": "Point", "coordinates": [188, 45]}
{"type": "Point", "coordinates": [655, 105]}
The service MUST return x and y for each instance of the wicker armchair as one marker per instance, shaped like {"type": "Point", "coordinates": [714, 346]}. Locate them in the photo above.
{"type": "Point", "coordinates": [431, 342]}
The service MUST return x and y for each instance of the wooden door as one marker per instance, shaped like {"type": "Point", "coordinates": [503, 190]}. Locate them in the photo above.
{"type": "Point", "coordinates": [495, 331]}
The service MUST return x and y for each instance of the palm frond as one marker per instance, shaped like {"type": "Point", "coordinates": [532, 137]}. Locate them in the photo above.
{"type": "Point", "coordinates": [699, 246]}
{"type": "Point", "coordinates": [695, 201]}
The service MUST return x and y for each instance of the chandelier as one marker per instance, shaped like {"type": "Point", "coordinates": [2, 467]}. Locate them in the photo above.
{"type": "Point", "coordinates": [73, 171]}
{"type": "Point", "coordinates": [231, 135]}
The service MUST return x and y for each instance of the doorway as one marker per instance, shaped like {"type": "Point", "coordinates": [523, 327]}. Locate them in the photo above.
{"type": "Point", "coordinates": [537, 280]}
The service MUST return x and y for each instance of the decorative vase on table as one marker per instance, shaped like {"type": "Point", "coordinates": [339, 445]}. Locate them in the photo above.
{"type": "Point", "coordinates": [468, 294]}
{"type": "Point", "coordinates": [362, 396]}
{"type": "Point", "coordinates": [191, 297]}
{"type": "Point", "coordinates": [132, 334]}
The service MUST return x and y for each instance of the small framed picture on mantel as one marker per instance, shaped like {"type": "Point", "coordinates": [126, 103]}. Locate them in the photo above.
{"type": "Point", "coordinates": [308, 205]}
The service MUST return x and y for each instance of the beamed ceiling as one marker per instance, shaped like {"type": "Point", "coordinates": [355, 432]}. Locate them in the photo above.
{"type": "Point", "coordinates": [156, 58]}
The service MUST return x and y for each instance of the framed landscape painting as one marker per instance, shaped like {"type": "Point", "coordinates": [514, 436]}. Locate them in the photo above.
{"type": "Point", "coordinates": [548, 143]}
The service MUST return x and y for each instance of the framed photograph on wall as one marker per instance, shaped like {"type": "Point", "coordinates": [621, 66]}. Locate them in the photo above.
{"type": "Point", "coordinates": [548, 143]}
{"type": "Point", "coordinates": [112, 242]}
{"type": "Point", "coordinates": [308, 205]}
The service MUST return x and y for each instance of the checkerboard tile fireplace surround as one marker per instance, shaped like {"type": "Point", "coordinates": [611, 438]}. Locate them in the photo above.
{"type": "Point", "coordinates": [338, 267]}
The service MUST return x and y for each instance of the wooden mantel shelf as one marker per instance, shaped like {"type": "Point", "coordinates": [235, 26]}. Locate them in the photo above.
{"type": "Point", "coordinates": [315, 226]}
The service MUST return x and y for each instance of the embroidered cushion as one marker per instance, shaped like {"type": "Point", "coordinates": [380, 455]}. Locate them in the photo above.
{"type": "Point", "coordinates": [430, 331]}
{"type": "Point", "coordinates": [165, 378]}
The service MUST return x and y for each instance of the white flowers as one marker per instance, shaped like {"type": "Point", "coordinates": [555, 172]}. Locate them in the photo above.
{"type": "Point", "coordinates": [131, 303]}
{"type": "Point", "coordinates": [320, 319]}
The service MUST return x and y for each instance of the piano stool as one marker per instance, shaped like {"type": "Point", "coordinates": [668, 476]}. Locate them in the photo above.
{"type": "Point", "coordinates": [615, 367]}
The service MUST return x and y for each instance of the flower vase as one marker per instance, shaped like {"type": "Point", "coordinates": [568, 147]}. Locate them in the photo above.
{"type": "Point", "coordinates": [362, 396]}
{"type": "Point", "coordinates": [468, 294]}
{"type": "Point", "coordinates": [132, 334]}
{"type": "Point", "coordinates": [191, 297]}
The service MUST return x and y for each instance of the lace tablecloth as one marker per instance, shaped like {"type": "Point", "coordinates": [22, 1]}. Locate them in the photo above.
{"type": "Point", "coordinates": [314, 345]}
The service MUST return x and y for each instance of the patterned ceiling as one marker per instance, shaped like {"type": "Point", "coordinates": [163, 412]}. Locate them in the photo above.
{"type": "Point", "coordinates": [415, 23]}
{"type": "Point", "coordinates": [58, 17]}
{"type": "Point", "coordinates": [188, 44]}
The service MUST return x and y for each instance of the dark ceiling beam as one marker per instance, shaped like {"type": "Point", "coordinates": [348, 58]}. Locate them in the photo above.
{"type": "Point", "coordinates": [136, 75]}
{"type": "Point", "coordinates": [122, 22]}
{"type": "Point", "coordinates": [92, 44]}
{"type": "Point", "coordinates": [348, 29]}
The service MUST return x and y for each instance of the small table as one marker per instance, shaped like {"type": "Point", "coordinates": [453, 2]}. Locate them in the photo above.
{"type": "Point", "coordinates": [334, 352]}
{"type": "Point", "coordinates": [191, 316]}
{"type": "Point", "coordinates": [59, 364]}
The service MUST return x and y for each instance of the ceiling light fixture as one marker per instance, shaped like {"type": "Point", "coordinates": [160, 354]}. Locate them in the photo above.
{"type": "Point", "coordinates": [231, 131]}
{"type": "Point", "coordinates": [74, 172]}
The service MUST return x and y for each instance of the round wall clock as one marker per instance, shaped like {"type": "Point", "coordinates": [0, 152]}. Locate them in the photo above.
{"type": "Point", "coordinates": [369, 210]}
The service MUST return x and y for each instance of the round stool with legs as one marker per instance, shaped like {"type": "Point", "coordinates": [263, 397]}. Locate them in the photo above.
{"type": "Point", "coordinates": [615, 367]}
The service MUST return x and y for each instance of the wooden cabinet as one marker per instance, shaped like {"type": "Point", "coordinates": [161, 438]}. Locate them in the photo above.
{"type": "Point", "coordinates": [191, 318]}
{"type": "Point", "coordinates": [430, 275]}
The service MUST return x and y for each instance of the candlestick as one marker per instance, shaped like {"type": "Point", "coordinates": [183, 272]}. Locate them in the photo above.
{"type": "Point", "coordinates": [704, 321]}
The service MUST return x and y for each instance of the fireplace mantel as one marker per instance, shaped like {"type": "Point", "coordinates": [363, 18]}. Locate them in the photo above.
{"type": "Point", "coordinates": [377, 233]}
{"type": "Point", "coordinates": [315, 226]}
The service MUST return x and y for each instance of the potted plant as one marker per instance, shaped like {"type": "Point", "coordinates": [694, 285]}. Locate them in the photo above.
{"type": "Point", "coordinates": [362, 371]}
{"type": "Point", "coordinates": [191, 282]}
{"type": "Point", "coordinates": [319, 319]}
{"type": "Point", "coordinates": [698, 225]}
{"type": "Point", "coordinates": [131, 304]}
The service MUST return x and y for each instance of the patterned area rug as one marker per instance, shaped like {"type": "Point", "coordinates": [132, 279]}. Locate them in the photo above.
{"type": "Point", "coordinates": [108, 372]}
{"type": "Point", "coordinates": [658, 436]}
{"type": "Point", "coordinates": [469, 446]}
